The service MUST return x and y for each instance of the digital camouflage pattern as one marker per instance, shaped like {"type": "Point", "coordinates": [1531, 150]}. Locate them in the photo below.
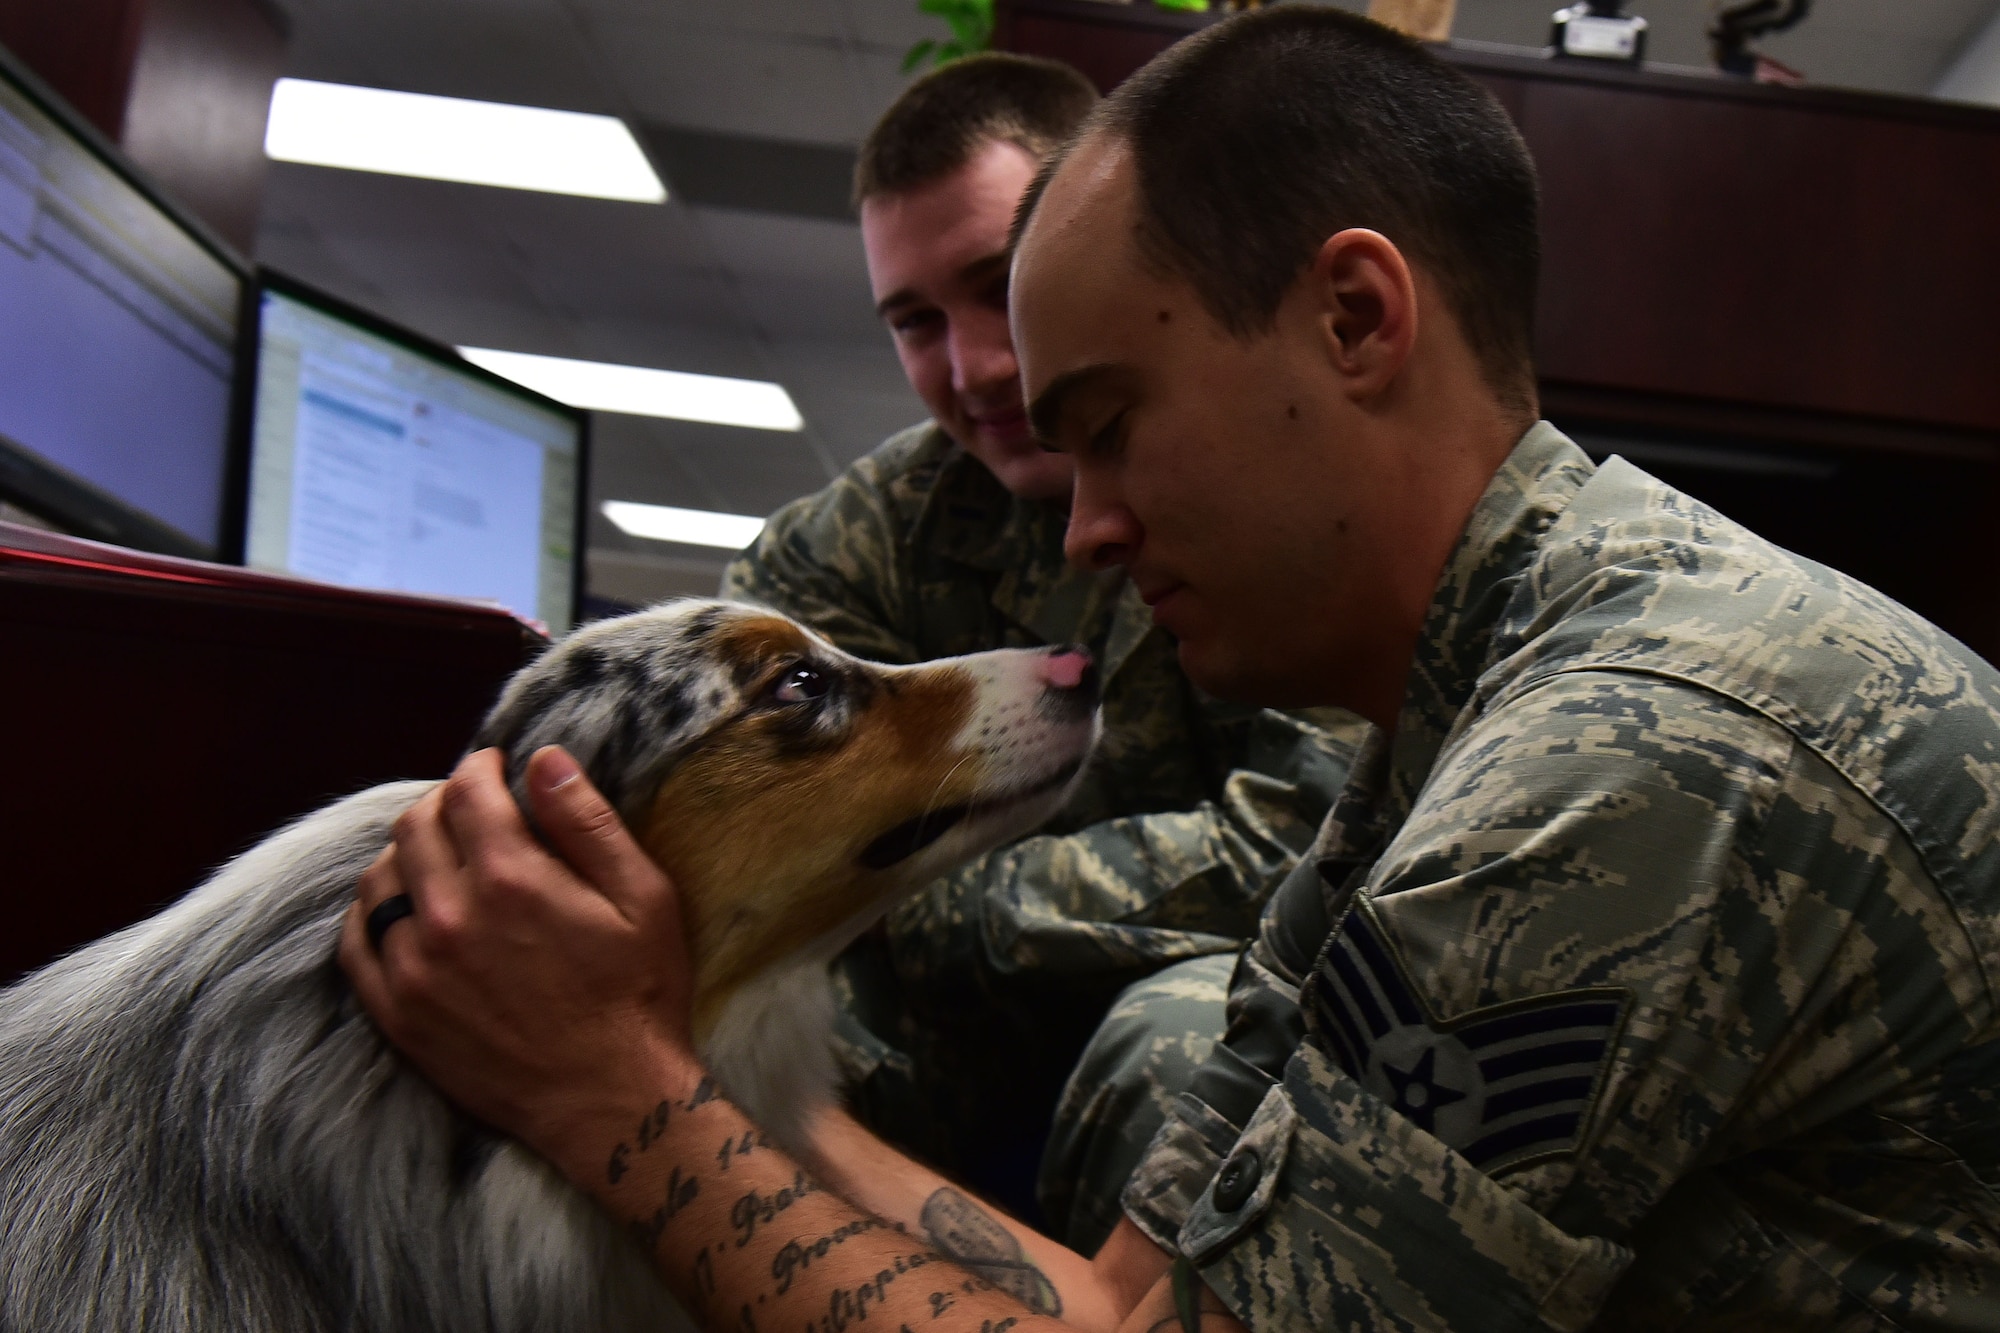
{"type": "Point", "coordinates": [986, 987]}
{"type": "Point", "coordinates": [1147, 1049]}
{"type": "Point", "coordinates": [1643, 980]}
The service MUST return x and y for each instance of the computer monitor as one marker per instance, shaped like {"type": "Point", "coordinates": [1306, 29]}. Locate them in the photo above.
{"type": "Point", "coordinates": [380, 459]}
{"type": "Point", "coordinates": [118, 338]}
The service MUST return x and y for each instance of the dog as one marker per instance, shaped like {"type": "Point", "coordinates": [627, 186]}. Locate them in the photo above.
{"type": "Point", "coordinates": [201, 1131]}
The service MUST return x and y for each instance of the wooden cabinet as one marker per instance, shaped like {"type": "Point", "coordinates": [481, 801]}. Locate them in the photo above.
{"type": "Point", "coordinates": [1824, 253]}
{"type": "Point", "coordinates": [1105, 41]}
{"type": "Point", "coordinates": [162, 715]}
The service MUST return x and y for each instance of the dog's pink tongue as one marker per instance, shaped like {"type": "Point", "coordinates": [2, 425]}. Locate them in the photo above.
{"type": "Point", "coordinates": [1065, 670]}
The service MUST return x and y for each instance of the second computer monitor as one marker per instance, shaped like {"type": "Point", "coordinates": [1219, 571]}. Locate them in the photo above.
{"type": "Point", "coordinates": [381, 460]}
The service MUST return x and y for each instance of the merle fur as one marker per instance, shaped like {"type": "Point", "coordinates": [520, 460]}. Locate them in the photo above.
{"type": "Point", "coordinates": [199, 1129]}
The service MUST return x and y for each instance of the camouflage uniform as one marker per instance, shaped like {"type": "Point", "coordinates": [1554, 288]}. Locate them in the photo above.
{"type": "Point", "coordinates": [1145, 1053]}
{"type": "Point", "coordinates": [989, 984]}
{"type": "Point", "coordinates": [1643, 980]}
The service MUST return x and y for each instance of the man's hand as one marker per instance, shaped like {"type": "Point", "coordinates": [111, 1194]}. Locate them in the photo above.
{"type": "Point", "coordinates": [551, 997]}
{"type": "Point", "coordinates": [528, 991]}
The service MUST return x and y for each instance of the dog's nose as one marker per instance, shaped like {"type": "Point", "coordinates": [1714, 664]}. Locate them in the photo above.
{"type": "Point", "coordinates": [1069, 667]}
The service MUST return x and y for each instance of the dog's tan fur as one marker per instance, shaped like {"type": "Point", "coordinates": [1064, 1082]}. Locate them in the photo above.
{"type": "Point", "coordinates": [711, 825]}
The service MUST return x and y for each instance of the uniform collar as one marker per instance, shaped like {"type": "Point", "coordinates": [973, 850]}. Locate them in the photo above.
{"type": "Point", "coordinates": [1534, 486]}
{"type": "Point", "coordinates": [971, 519]}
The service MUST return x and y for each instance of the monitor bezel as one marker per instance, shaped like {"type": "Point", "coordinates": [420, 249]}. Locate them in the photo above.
{"type": "Point", "coordinates": [244, 416]}
{"type": "Point", "coordinates": [39, 486]}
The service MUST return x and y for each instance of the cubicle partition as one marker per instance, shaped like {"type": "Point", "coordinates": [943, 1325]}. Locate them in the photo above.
{"type": "Point", "coordinates": [163, 715]}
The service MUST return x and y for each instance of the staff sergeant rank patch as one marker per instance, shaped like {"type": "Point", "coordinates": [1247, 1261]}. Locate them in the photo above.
{"type": "Point", "coordinates": [1500, 1086]}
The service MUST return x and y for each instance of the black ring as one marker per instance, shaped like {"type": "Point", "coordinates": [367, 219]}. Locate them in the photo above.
{"type": "Point", "coordinates": [386, 914]}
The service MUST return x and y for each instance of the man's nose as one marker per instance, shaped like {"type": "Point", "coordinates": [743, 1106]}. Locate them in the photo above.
{"type": "Point", "coordinates": [982, 355]}
{"type": "Point", "coordinates": [1100, 534]}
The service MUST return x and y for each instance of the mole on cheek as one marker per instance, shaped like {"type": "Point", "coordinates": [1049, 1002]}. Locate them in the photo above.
{"type": "Point", "coordinates": [1166, 316]}
{"type": "Point", "coordinates": [1340, 525]}
{"type": "Point", "coordinates": [1292, 411]}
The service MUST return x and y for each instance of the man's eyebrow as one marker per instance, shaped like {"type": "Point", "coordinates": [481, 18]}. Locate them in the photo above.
{"type": "Point", "coordinates": [1045, 413]}
{"type": "Point", "coordinates": [902, 296]}
{"type": "Point", "coordinates": [971, 273]}
{"type": "Point", "coordinates": [984, 265]}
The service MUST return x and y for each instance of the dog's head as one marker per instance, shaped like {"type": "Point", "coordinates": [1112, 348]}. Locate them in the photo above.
{"type": "Point", "coordinates": [793, 792]}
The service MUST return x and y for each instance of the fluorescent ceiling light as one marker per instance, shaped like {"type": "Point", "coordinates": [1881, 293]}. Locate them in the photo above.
{"type": "Point", "coordinates": [696, 527]}
{"type": "Point", "coordinates": [451, 139]}
{"type": "Point", "coordinates": [646, 393]}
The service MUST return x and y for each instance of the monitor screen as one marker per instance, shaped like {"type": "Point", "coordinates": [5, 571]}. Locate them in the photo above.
{"type": "Point", "coordinates": [117, 340]}
{"type": "Point", "coordinates": [380, 460]}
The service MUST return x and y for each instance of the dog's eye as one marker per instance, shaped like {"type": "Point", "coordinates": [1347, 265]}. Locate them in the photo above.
{"type": "Point", "coordinates": [799, 685]}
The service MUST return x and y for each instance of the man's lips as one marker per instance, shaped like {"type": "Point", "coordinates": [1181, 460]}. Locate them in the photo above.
{"type": "Point", "coordinates": [1007, 423]}
{"type": "Point", "coordinates": [1152, 594]}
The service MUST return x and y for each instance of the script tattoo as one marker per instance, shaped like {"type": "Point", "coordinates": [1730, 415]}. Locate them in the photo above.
{"type": "Point", "coordinates": [733, 1147]}
{"type": "Point", "coordinates": [853, 1305]}
{"type": "Point", "coordinates": [754, 1210]}
{"type": "Point", "coordinates": [651, 1125]}
{"type": "Point", "coordinates": [798, 1255]}
{"type": "Point", "coordinates": [680, 1193]}
{"type": "Point", "coordinates": [968, 1235]}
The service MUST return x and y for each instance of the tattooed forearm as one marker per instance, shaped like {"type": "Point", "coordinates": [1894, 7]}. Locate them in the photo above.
{"type": "Point", "coordinates": [732, 1147]}
{"type": "Point", "coordinates": [755, 1245]}
{"type": "Point", "coordinates": [798, 1255]}
{"type": "Point", "coordinates": [754, 1210]}
{"type": "Point", "coordinates": [970, 1237]}
{"type": "Point", "coordinates": [680, 1193]}
{"type": "Point", "coordinates": [853, 1305]}
{"type": "Point", "coordinates": [651, 1126]}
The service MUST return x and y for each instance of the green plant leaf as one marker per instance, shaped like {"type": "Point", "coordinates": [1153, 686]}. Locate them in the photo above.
{"type": "Point", "coordinates": [971, 24]}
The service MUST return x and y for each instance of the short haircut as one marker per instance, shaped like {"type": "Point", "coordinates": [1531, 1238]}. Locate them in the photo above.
{"type": "Point", "coordinates": [949, 114]}
{"type": "Point", "coordinates": [1260, 137]}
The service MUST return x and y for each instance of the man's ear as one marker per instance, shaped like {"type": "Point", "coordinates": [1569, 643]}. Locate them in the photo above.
{"type": "Point", "coordinates": [1366, 307]}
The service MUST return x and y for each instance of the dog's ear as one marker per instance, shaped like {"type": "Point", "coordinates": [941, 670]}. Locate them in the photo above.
{"type": "Point", "coordinates": [624, 697]}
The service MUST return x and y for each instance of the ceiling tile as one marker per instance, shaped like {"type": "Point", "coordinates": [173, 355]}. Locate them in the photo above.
{"type": "Point", "coordinates": [698, 466]}
{"type": "Point", "coordinates": [895, 24]}
{"type": "Point", "coordinates": [780, 176]}
{"type": "Point", "coordinates": [813, 19]}
{"type": "Point", "coordinates": [737, 83]}
{"type": "Point", "coordinates": [634, 458]}
{"type": "Point", "coordinates": [528, 51]}
{"type": "Point", "coordinates": [640, 578]}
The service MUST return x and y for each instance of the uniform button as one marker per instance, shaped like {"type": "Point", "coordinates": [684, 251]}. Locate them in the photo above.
{"type": "Point", "coordinates": [1237, 1180]}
